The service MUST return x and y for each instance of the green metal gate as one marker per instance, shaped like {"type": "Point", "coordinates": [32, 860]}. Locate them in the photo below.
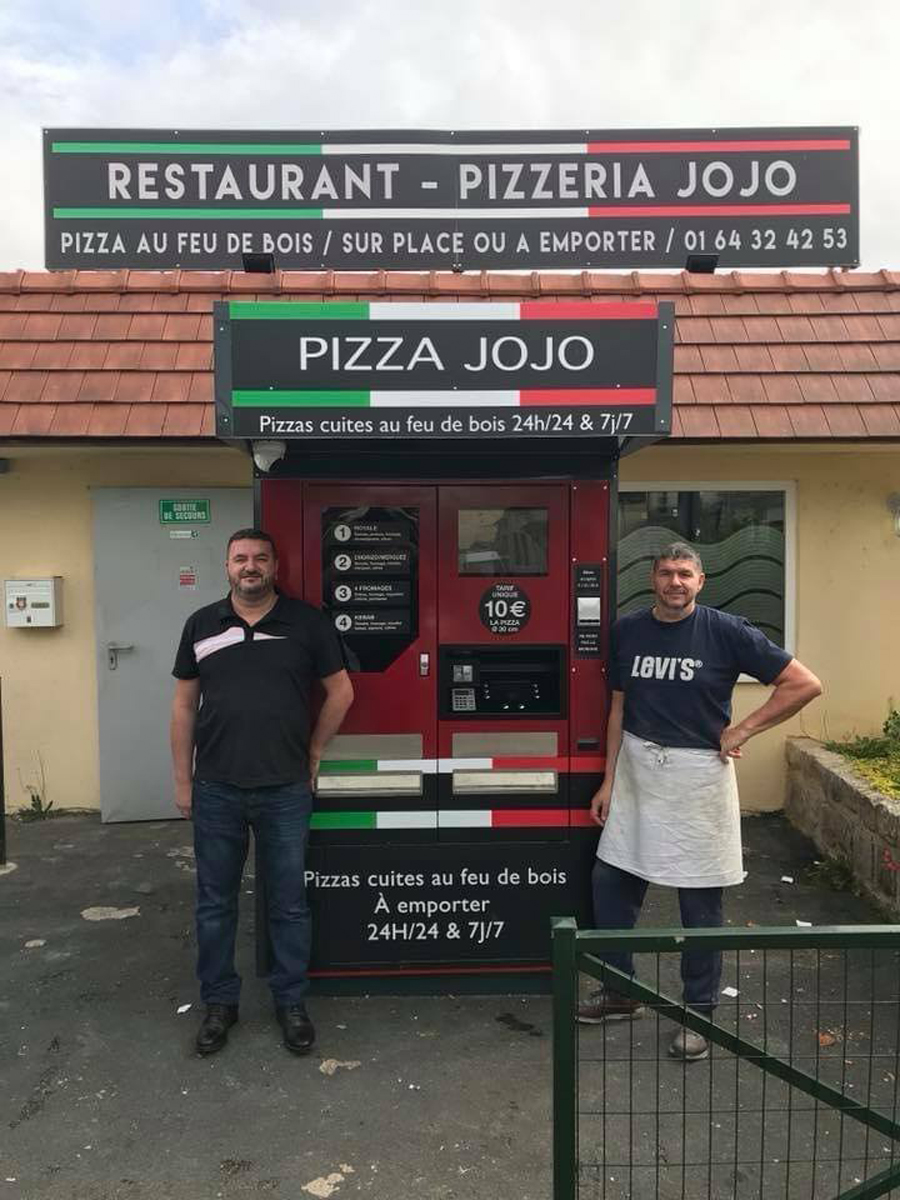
{"type": "Point", "coordinates": [797, 1099]}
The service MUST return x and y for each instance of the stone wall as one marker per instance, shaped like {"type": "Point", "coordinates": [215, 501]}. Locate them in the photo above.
{"type": "Point", "coordinates": [847, 818]}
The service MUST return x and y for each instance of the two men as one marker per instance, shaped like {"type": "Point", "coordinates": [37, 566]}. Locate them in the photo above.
{"type": "Point", "coordinates": [668, 804]}
{"type": "Point", "coordinates": [245, 670]}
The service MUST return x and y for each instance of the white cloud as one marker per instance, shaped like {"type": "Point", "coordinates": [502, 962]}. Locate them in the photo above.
{"type": "Point", "coordinates": [450, 64]}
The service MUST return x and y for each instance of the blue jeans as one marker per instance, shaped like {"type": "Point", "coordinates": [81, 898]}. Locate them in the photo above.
{"type": "Point", "coordinates": [618, 896]}
{"type": "Point", "coordinates": [279, 816]}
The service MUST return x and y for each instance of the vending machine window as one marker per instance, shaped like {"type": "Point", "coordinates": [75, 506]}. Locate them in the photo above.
{"type": "Point", "coordinates": [502, 541]}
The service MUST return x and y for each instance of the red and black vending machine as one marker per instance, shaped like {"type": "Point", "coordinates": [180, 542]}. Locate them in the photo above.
{"type": "Point", "coordinates": [443, 484]}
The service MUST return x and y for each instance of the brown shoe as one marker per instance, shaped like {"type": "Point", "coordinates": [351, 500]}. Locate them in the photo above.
{"type": "Point", "coordinates": [604, 1005]}
{"type": "Point", "coordinates": [689, 1046]}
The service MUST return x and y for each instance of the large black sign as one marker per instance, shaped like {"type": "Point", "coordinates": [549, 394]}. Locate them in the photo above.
{"type": "Point", "coordinates": [383, 370]}
{"type": "Point", "coordinates": [463, 200]}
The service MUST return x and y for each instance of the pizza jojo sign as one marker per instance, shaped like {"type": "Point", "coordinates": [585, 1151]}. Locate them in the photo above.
{"type": "Point", "coordinates": [286, 369]}
{"type": "Point", "coordinates": [448, 200]}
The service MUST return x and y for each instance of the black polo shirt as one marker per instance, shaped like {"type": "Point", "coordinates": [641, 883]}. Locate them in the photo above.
{"type": "Point", "coordinates": [253, 726]}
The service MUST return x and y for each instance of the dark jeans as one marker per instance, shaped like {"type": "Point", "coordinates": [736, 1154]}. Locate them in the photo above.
{"type": "Point", "coordinates": [618, 896]}
{"type": "Point", "coordinates": [279, 816]}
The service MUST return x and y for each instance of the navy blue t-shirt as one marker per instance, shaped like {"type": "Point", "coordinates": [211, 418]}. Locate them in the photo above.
{"type": "Point", "coordinates": [678, 676]}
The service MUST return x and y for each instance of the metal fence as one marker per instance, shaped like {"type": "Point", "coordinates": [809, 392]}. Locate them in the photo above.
{"type": "Point", "coordinates": [797, 1099]}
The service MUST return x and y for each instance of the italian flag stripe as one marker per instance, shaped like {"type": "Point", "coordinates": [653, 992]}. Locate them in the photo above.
{"type": "Point", "coordinates": [172, 148]}
{"type": "Point", "coordinates": [497, 818]}
{"type": "Point", "coordinates": [579, 764]}
{"type": "Point", "coordinates": [290, 310]}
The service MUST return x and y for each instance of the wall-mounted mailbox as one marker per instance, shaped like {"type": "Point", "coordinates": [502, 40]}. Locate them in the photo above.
{"type": "Point", "coordinates": [34, 603]}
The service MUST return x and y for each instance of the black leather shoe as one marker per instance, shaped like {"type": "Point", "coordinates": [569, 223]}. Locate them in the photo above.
{"type": "Point", "coordinates": [299, 1034]}
{"type": "Point", "coordinates": [213, 1033]}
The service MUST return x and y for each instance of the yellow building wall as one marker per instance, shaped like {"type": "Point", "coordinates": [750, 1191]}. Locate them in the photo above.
{"type": "Point", "coordinates": [847, 592]}
{"type": "Point", "coordinates": [49, 675]}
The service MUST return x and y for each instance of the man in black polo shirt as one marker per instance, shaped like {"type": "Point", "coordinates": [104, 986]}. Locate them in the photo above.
{"type": "Point", "coordinates": [244, 674]}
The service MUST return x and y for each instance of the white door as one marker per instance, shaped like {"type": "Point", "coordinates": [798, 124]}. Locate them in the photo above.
{"type": "Point", "coordinates": [158, 555]}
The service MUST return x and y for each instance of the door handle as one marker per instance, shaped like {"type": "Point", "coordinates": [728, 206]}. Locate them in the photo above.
{"type": "Point", "coordinates": [424, 664]}
{"type": "Point", "coordinates": [113, 650]}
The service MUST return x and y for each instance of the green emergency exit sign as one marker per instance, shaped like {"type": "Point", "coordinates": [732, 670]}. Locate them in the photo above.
{"type": "Point", "coordinates": [184, 512]}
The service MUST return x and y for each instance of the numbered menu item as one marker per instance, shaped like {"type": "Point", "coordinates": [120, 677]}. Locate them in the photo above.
{"type": "Point", "coordinates": [370, 579]}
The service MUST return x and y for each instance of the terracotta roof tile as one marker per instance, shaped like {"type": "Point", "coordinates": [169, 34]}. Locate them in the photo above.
{"type": "Point", "coordinates": [687, 358]}
{"type": "Point", "coordinates": [736, 421]}
{"type": "Point", "coordinates": [853, 389]}
{"type": "Point", "coordinates": [775, 304]}
{"type": "Point", "coordinates": [9, 414]}
{"type": "Point", "coordinates": [762, 329]}
{"type": "Point", "coordinates": [42, 327]}
{"type": "Point", "coordinates": [71, 420]}
{"type": "Point", "coordinates": [203, 303]}
{"type": "Point", "coordinates": [741, 305]}
{"type": "Point", "coordinates": [700, 422]}
{"type": "Point", "coordinates": [62, 387]}
{"type": "Point", "coordinates": [135, 387]}
{"type": "Point", "coordinates": [153, 281]}
{"type": "Point", "coordinates": [112, 327]}
{"type": "Point", "coordinates": [65, 304]}
{"type": "Point", "coordinates": [817, 389]}
{"type": "Point", "coordinates": [682, 390]}
{"type": "Point", "coordinates": [693, 329]}
{"type": "Point", "coordinates": [184, 420]}
{"type": "Point", "coordinates": [887, 355]}
{"type": "Point", "coordinates": [805, 302]}
{"type": "Point", "coordinates": [159, 356]}
{"type": "Point", "coordinates": [880, 420]}
{"type": "Point", "coordinates": [108, 420]}
{"type": "Point", "coordinates": [719, 359]}
{"type": "Point", "coordinates": [17, 355]}
{"type": "Point", "coordinates": [135, 302]}
{"type": "Point", "coordinates": [88, 356]}
{"type": "Point", "coordinates": [796, 329]}
{"type": "Point", "coordinates": [77, 326]}
{"type": "Point", "coordinates": [210, 281]}
{"type": "Point", "coordinates": [147, 327]}
{"type": "Point", "coordinates": [711, 389]}
{"type": "Point", "coordinates": [782, 389]}
{"type": "Point", "coordinates": [33, 302]}
{"type": "Point", "coordinates": [773, 421]}
{"type": "Point", "coordinates": [99, 387]}
{"type": "Point", "coordinates": [707, 305]}
{"type": "Point", "coordinates": [844, 421]}
{"type": "Point", "coordinates": [677, 423]}
{"type": "Point", "coordinates": [145, 420]}
{"type": "Point", "coordinates": [856, 357]}
{"type": "Point", "coordinates": [885, 387]}
{"type": "Point", "coordinates": [864, 329]}
{"type": "Point", "coordinates": [754, 358]}
{"type": "Point", "coordinates": [823, 356]}
{"type": "Point", "coordinates": [182, 328]}
{"type": "Point", "coordinates": [5, 377]}
{"type": "Point", "coordinates": [209, 421]}
{"type": "Point", "coordinates": [729, 330]}
{"type": "Point", "coordinates": [747, 389]}
{"type": "Point", "coordinates": [201, 389]}
{"type": "Point", "coordinates": [33, 420]}
{"type": "Point", "coordinates": [124, 356]}
{"type": "Point", "coordinates": [167, 302]}
{"type": "Point", "coordinates": [205, 332]}
{"type": "Point", "coordinates": [789, 358]}
{"type": "Point", "coordinates": [808, 420]}
{"type": "Point", "coordinates": [102, 281]}
{"type": "Point", "coordinates": [836, 303]}
{"type": "Point", "coordinates": [890, 327]}
{"type": "Point", "coordinates": [171, 387]}
{"type": "Point", "coordinates": [194, 356]}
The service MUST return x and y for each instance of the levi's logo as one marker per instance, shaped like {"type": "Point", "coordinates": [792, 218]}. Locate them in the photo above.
{"type": "Point", "coordinates": [648, 666]}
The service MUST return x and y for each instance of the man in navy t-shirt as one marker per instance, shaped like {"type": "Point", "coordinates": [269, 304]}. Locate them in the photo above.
{"type": "Point", "coordinates": [668, 804]}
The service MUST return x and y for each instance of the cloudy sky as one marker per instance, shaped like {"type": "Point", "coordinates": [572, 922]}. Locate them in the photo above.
{"type": "Point", "coordinates": [447, 64]}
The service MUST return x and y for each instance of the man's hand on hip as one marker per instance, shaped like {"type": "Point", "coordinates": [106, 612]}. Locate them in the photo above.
{"type": "Point", "coordinates": [315, 761]}
{"type": "Point", "coordinates": [600, 803]}
{"type": "Point", "coordinates": [183, 795]}
{"type": "Point", "coordinates": [733, 737]}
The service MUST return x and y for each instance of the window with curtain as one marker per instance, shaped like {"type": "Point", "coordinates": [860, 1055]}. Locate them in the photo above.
{"type": "Point", "coordinates": [740, 536]}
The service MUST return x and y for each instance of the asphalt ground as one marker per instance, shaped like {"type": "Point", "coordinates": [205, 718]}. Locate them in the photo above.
{"type": "Point", "coordinates": [438, 1098]}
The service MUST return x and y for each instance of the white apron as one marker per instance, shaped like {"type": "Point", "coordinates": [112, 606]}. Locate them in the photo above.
{"type": "Point", "coordinates": [674, 817]}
